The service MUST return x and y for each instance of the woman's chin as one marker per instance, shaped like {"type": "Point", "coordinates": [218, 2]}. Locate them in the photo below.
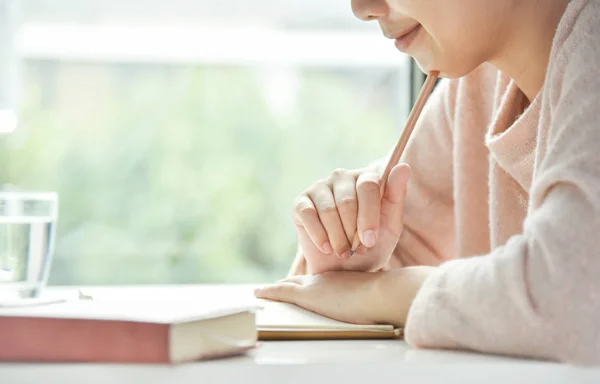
{"type": "Point", "coordinates": [427, 65]}
{"type": "Point", "coordinates": [449, 69]}
{"type": "Point", "coordinates": [444, 71]}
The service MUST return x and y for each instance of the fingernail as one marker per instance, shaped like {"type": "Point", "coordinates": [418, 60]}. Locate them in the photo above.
{"type": "Point", "coordinates": [370, 238]}
{"type": "Point", "coordinates": [327, 248]}
{"type": "Point", "coordinates": [257, 291]}
{"type": "Point", "coordinates": [346, 255]}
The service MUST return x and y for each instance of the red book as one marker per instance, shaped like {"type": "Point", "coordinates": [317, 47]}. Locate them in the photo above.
{"type": "Point", "coordinates": [125, 332]}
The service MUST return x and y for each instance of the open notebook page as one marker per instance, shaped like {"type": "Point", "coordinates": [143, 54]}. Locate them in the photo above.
{"type": "Point", "coordinates": [276, 315]}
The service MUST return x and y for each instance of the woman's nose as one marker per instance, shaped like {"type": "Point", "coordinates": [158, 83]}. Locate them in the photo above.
{"type": "Point", "coordinates": [369, 9]}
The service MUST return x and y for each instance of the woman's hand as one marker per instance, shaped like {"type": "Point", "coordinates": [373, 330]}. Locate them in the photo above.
{"type": "Point", "coordinates": [328, 214]}
{"type": "Point", "coordinates": [353, 297]}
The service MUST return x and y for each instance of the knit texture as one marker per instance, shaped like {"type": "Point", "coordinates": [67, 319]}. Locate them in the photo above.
{"type": "Point", "coordinates": [509, 203]}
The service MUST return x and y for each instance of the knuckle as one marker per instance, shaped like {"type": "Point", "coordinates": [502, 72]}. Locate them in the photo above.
{"type": "Point", "coordinates": [347, 202]}
{"type": "Point", "coordinates": [326, 207]}
{"type": "Point", "coordinates": [321, 184]}
{"type": "Point", "coordinates": [299, 199]}
{"type": "Point", "coordinates": [368, 177]}
{"type": "Point", "coordinates": [285, 291]}
{"type": "Point", "coordinates": [307, 210]}
{"type": "Point", "coordinates": [341, 247]}
{"type": "Point", "coordinates": [317, 189]}
{"type": "Point", "coordinates": [345, 189]}
{"type": "Point", "coordinates": [367, 183]}
{"type": "Point", "coordinates": [301, 202]}
{"type": "Point", "coordinates": [338, 173]}
{"type": "Point", "coordinates": [303, 207]}
{"type": "Point", "coordinates": [323, 200]}
{"type": "Point", "coordinates": [345, 193]}
{"type": "Point", "coordinates": [310, 190]}
{"type": "Point", "coordinates": [368, 186]}
{"type": "Point", "coordinates": [278, 289]}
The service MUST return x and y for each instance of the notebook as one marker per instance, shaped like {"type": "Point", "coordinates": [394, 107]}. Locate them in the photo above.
{"type": "Point", "coordinates": [125, 331]}
{"type": "Point", "coordinates": [283, 321]}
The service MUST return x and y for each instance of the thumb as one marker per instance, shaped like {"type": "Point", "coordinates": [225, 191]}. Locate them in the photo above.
{"type": "Point", "coordinates": [392, 205]}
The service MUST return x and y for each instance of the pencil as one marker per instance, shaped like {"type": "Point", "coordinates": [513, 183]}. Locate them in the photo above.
{"type": "Point", "coordinates": [403, 140]}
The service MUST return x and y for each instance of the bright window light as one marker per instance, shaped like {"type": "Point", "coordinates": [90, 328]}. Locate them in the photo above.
{"type": "Point", "coordinates": [8, 121]}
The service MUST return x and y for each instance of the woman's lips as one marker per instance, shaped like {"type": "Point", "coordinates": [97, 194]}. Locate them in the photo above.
{"type": "Point", "coordinates": [405, 40]}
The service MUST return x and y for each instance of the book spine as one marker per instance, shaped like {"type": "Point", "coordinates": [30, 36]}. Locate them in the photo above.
{"type": "Point", "coordinates": [82, 340]}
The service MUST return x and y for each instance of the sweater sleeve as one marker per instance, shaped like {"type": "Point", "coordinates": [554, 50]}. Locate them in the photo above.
{"type": "Point", "coordinates": [538, 295]}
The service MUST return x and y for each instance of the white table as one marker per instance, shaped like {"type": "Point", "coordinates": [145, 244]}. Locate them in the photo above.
{"type": "Point", "coordinates": [333, 362]}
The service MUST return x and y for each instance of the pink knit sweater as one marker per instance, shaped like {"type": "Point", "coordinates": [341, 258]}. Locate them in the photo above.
{"type": "Point", "coordinates": [510, 205]}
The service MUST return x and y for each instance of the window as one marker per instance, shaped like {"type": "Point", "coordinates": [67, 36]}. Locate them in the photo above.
{"type": "Point", "coordinates": [178, 133]}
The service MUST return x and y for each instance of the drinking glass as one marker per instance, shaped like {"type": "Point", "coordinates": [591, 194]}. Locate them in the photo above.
{"type": "Point", "coordinates": [27, 234]}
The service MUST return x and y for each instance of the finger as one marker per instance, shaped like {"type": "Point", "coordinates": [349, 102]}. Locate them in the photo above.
{"type": "Point", "coordinates": [369, 205]}
{"type": "Point", "coordinates": [306, 216]}
{"type": "Point", "coordinates": [322, 198]}
{"type": "Point", "coordinates": [308, 246]}
{"type": "Point", "coordinates": [344, 192]}
{"type": "Point", "coordinates": [285, 292]}
{"type": "Point", "coordinates": [392, 206]}
{"type": "Point", "coordinates": [315, 262]}
{"type": "Point", "coordinates": [361, 250]}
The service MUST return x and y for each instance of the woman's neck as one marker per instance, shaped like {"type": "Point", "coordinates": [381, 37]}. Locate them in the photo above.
{"type": "Point", "coordinates": [525, 51]}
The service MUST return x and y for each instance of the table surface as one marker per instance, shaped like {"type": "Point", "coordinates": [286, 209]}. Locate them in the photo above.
{"type": "Point", "coordinates": [294, 361]}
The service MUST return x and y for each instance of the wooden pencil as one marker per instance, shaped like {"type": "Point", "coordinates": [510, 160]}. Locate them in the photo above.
{"type": "Point", "coordinates": [413, 117]}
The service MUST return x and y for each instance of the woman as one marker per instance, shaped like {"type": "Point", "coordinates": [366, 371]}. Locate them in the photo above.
{"type": "Point", "coordinates": [490, 241]}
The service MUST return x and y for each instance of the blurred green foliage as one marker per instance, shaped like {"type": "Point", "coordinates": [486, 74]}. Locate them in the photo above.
{"type": "Point", "coordinates": [183, 174]}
